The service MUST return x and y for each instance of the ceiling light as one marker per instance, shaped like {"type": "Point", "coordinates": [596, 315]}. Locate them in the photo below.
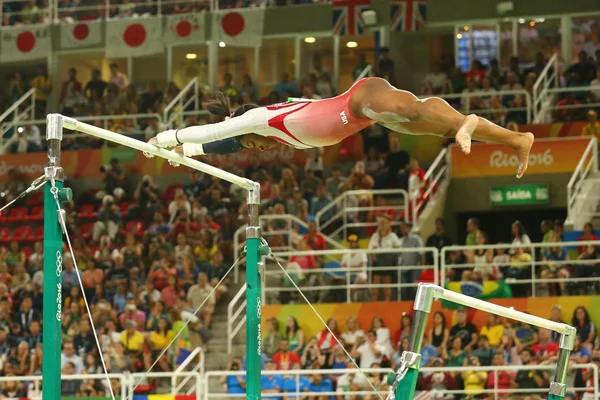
{"type": "Point", "coordinates": [351, 45]}
{"type": "Point", "coordinates": [222, 44]}
{"type": "Point", "coordinates": [459, 36]}
{"type": "Point", "coordinates": [191, 56]}
{"type": "Point", "coordinates": [466, 28]}
{"type": "Point", "coordinates": [521, 20]}
{"type": "Point", "coordinates": [309, 39]}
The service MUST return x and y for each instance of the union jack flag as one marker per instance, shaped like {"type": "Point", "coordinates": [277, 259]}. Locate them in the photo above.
{"type": "Point", "coordinates": [347, 16]}
{"type": "Point", "coordinates": [408, 15]}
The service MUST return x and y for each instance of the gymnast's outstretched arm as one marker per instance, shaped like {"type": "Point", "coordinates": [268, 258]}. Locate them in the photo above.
{"type": "Point", "coordinates": [253, 121]}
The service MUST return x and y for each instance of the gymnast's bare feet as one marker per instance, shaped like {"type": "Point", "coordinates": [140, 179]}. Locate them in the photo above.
{"type": "Point", "coordinates": [523, 147]}
{"type": "Point", "coordinates": [463, 136]}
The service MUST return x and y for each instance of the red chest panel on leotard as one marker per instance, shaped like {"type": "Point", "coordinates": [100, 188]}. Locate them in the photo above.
{"type": "Point", "coordinates": [315, 124]}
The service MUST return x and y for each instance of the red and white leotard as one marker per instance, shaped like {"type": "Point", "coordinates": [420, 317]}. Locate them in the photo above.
{"type": "Point", "coordinates": [302, 125]}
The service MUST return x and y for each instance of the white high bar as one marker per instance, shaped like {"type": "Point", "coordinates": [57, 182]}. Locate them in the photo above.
{"type": "Point", "coordinates": [75, 125]}
{"type": "Point", "coordinates": [467, 301]}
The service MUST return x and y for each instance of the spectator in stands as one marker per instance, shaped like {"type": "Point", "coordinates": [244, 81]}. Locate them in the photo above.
{"type": "Point", "coordinates": [326, 340]}
{"type": "Point", "coordinates": [596, 84]}
{"type": "Point", "coordinates": [235, 384]}
{"type": "Point", "coordinates": [438, 239]}
{"type": "Point", "coordinates": [351, 382]}
{"type": "Point", "coordinates": [567, 109]}
{"type": "Point", "coordinates": [353, 333]}
{"type": "Point", "coordinates": [320, 384]}
{"type": "Point", "coordinates": [439, 334]}
{"type": "Point", "coordinates": [95, 88]}
{"type": "Point", "coordinates": [520, 237]}
{"type": "Point", "coordinates": [545, 351]}
{"type": "Point", "coordinates": [413, 259]}
{"type": "Point", "coordinates": [554, 256]}
{"type": "Point", "coordinates": [356, 262]}
{"type": "Point", "coordinates": [109, 218]}
{"type": "Point", "coordinates": [249, 88]}
{"type": "Point", "coordinates": [559, 228]}
{"type": "Point", "coordinates": [229, 89]}
{"type": "Point", "coordinates": [436, 78]}
{"type": "Point", "coordinates": [493, 330]}
{"type": "Point", "coordinates": [481, 258]}
{"type": "Point", "coordinates": [271, 384]}
{"type": "Point", "coordinates": [43, 84]}
{"type": "Point", "coordinates": [472, 231]}
{"type": "Point", "coordinates": [294, 335]}
{"type": "Point", "coordinates": [527, 379]}
{"type": "Point", "coordinates": [404, 330]}
{"type": "Point", "coordinates": [286, 85]}
{"type": "Point", "coordinates": [588, 235]}
{"type": "Point", "coordinates": [592, 128]}
{"type": "Point", "coordinates": [384, 238]}
{"type": "Point", "coordinates": [118, 78]}
{"type": "Point", "coordinates": [114, 178]}
{"type": "Point", "coordinates": [199, 293]}
{"type": "Point", "coordinates": [334, 181]}
{"type": "Point", "coordinates": [383, 333]}
{"type": "Point", "coordinates": [312, 354]}
{"type": "Point", "coordinates": [146, 198]}
{"type": "Point", "coordinates": [71, 93]}
{"type": "Point", "coordinates": [178, 204]}
{"type": "Point", "coordinates": [68, 355]}
{"type": "Point", "coordinates": [320, 201]}
{"type": "Point", "coordinates": [314, 239]}
{"type": "Point", "coordinates": [464, 330]}
{"type": "Point", "coordinates": [272, 338]}
{"type": "Point", "coordinates": [369, 351]}
{"type": "Point", "coordinates": [583, 67]}
{"type": "Point", "coordinates": [455, 355]}
{"type": "Point", "coordinates": [586, 329]}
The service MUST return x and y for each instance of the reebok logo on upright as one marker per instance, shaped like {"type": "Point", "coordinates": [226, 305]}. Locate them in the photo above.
{"type": "Point", "coordinates": [344, 118]}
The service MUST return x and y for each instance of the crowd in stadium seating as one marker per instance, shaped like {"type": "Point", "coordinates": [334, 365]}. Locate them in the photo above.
{"type": "Point", "coordinates": [483, 83]}
{"type": "Point", "coordinates": [497, 343]}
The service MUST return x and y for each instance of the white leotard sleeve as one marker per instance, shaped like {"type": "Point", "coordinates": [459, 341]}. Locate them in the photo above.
{"type": "Point", "coordinates": [252, 121]}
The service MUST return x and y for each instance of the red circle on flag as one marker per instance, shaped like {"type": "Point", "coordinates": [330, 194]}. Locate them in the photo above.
{"type": "Point", "coordinates": [233, 23]}
{"type": "Point", "coordinates": [25, 41]}
{"type": "Point", "coordinates": [81, 31]}
{"type": "Point", "coordinates": [134, 35]}
{"type": "Point", "coordinates": [183, 29]}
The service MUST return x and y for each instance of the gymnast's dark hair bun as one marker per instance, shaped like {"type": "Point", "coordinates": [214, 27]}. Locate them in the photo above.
{"type": "Point", "coordinates": [218, 104]}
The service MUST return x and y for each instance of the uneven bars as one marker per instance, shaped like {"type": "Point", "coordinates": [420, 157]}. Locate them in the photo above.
{"type": "Point", "coordinates": [441, 293]}
{"type": "Point", "coordinates": [75, 125]}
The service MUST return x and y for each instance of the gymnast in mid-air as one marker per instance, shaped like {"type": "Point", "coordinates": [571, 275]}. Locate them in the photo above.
{"type": "Point", "coordinates": [308, 124]}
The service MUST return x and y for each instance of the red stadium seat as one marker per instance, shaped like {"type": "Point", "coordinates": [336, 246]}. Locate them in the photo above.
{"type": "Point", "coordinates": [38, 234]}
{"type": "Point", "coordinates": [36, 198]}
{"type": "Point", "coordinates": [21, 233]}
{"type": "Point", "coordinates": [170, 192]}
{"type": "Point", "coordinates": [37, 214]}
{"type": "Point", "coordinates": [125, 208]}
{"type": "Point", "coordinates": [87, 211]}
{"type": "Point", "coordinates": [4, 234]}
{"type": "Point", "coordinates": [27, 251]}
{"type": "Point", "coordinates": [135, 227]}
{"type": "Point", "coordinates": [17, 214]}
{"type": "Point", "coordinates": [86, 231]}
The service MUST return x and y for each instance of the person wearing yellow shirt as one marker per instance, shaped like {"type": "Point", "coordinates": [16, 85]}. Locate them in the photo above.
{"type": "Point", "coordinates": [493, 330]}
{"type": "Point", "coordinates": [43, 84]}
{"type": "Point", "coordinates": [474, 380]}
{"type": "Point", "coordinates": [132, 339]}
{"type": "Point", "coordinates": [162, 335]}
{"type": "Point", "coordinates": [472, 231]}
{"type": "Point", "coordinates": [593, 126]}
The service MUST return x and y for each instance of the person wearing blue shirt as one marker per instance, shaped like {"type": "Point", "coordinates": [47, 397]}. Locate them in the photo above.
{"type": "Point", "coordinates": [321, 385]}
{"type": "Point", "coordinates": [428, 352]}
{"type": "Point", "coordinates": [236, 384]}
{"type": "Point", "coordinates": [295, 384]}
{"type": "Point", "coordinates": [271, 384]}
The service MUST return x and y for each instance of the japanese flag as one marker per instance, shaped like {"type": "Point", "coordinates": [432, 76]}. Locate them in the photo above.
{"type": "Point", "coordinates": [133, 37]}
{"type": "Point", "coordinates": [80, 34]}
{"type": "Point", "coordinates": [185, 29]}
{"type": "Point", "coordinates": [25, 43]}
{"type": "Point", "coordinates": [240, 28]}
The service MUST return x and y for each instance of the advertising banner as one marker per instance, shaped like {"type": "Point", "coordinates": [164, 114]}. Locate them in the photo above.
{"type": "Point", "coordinates": [517, 195]}
{"type": "Point", "coordinates": [549, 156]}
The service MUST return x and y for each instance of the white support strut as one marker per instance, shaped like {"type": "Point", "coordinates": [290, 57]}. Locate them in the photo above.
{"type": "Point", "coordinates": [511, 313]}
{"type": "Point", "coordinates": [75, 125]}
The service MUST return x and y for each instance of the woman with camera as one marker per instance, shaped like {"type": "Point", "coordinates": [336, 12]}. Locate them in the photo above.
{"type": "Point", "coordinates": [235, 384]}
{"type": "Point", "coordinates": [474, 380]}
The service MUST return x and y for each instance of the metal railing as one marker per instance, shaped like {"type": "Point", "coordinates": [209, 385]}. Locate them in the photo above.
{"type": "Point", "coordinates": [195, 363]}
{"type": "Point", "coordinates": [583, 191]}
{"type": "Point", "coordinates": [541, 100]}
{"type": "Point", "coordinates": [553, 94]}
{"type": "Point", "coordinates": [289, 234]}
{"type": "Point", "coordinates": [21, 110]}
{"type": "Point", "coordinates": [468, 108]}
{"type": "Point", "coordinates": [173, 112]}
{"type": "Point", "coordinates": [236, 317]}
{"type": "Point", "coordinates": [436, 173]}
{"type": "Point", "coordinates": [332, 274]}
{"type": "Point", "coordinates": [495, 392]}
{"type": "Point", "coordinates": [532, 267]}
{"type": "Point", "coordinates": [342, 213]}
{"type": "Point", "coordinates": [26, 16]}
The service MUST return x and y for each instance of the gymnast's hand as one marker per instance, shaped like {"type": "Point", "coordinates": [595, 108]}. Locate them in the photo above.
{"type": "Point", "coordinates": [178, 150]}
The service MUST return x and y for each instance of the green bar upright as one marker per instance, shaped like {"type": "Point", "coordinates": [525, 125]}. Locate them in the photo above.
{"type": "Point", "coordinates": [52, 316]}
{"type": "Point", "coordinates": [253, 320]}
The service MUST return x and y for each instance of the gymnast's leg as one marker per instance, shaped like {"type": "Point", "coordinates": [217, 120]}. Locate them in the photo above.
{"type": "Point", "coordinates": [380, 101]}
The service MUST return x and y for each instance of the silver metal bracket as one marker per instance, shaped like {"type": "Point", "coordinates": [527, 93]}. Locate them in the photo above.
{"type": "Point", "coordinates": [62, 220]}
{"type": "Point", "coordinates": [253, 232]}
{"type": "Point", "coordinates": [558, 389]}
